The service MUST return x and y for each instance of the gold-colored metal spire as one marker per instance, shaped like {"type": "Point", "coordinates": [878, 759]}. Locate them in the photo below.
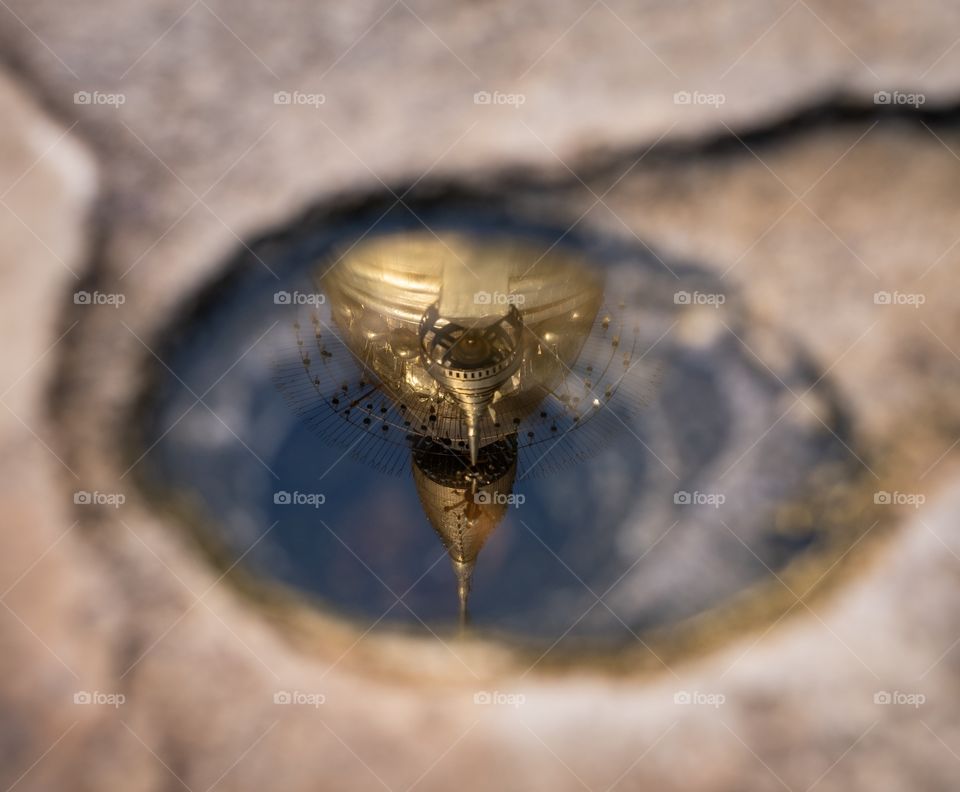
{"type": "Point", "coordinates": [464, 573]}
{"type": "Point", "coordinates": [465, 504]}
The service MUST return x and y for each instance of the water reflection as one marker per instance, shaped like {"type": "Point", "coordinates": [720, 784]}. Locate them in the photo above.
{"type": "Point", "coordinates": [461, 356]}
{"type": "Point", "coordinates": [610, 430]}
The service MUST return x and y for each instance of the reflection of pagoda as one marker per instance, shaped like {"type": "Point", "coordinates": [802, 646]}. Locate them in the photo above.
{"type": "Point", "coordinates": [463, 355]}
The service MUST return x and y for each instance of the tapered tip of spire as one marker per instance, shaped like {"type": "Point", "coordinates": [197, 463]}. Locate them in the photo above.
{"type": "Point", "coordinates": [472, 438]}
{"type": "Point", "coordinates": [464, 573]}
{"type": "Point", "coordinates": [473, 449]}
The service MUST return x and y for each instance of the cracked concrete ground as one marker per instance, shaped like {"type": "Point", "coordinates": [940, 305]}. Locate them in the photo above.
{"type": "Point", "coordinates": [809, 218]}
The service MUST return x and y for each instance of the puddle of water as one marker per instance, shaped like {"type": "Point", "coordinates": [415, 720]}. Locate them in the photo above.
{"type": "Point", "coordinates": [634, 431]}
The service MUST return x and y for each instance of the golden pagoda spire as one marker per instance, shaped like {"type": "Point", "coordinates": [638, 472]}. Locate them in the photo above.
{"type": "Point", "coordinates": [465, 503]}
